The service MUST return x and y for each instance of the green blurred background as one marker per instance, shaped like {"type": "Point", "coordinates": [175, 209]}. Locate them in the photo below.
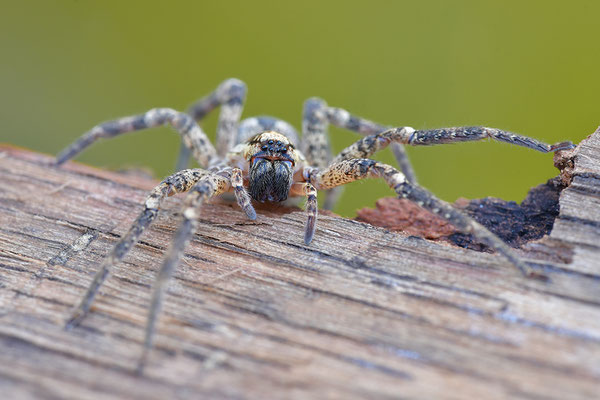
{"type": "Point", "coordinates": [527, 66]}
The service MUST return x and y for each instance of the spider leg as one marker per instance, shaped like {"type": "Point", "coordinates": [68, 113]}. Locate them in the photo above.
{"type": "Point", "coordinates": [312, 208]}
{"type": "Point", "coordinates": [344, 119]}
{"type": "Point", "coordinates": [230, 95]}
{"type": "Point", "coordinates": [368, 145]}
{"type": "Point", "coordinates": [350, 170]}
{"type": "Point", "coordinates": [315, 140]}
{"type": "Point", "coordinates": [241, 195]}
{"type": "Point", "coordinates": [473, 133]}
{"type": "Point", "coordinates": [182, 181]}
{"type": "Point", "coordinates": [316, 117]}
{"type": "Point", "coordinates": [209, 186]}
{"type": "Point", "coordinates": [191, 134]}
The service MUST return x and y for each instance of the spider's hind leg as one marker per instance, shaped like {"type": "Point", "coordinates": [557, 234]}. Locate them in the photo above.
{"type": "Point", "coordinates": [230, 95]}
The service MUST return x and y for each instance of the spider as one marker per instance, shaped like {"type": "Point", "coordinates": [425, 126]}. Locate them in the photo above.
{"type": "Point", "coordinates": [259, 159]}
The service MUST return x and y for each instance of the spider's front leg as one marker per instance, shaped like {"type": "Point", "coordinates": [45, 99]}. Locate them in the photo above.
{"type": "Point", "coordinates": [311, 207]}
{"type": "Point", "coordinates": [182, 181]}
{"type": "Point", "coordinates": [179, 182]}
{"type": "Point", "coordinates": [208, 186]}
{"type": "Point", "coordinates": [345, 171]}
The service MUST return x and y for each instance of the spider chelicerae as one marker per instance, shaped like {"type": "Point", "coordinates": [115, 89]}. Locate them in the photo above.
{"type": "Point", "coordinates": [259, 159]}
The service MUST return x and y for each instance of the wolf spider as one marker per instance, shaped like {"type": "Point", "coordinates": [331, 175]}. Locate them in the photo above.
{"type": "Point", "coordinates": [258, 159]}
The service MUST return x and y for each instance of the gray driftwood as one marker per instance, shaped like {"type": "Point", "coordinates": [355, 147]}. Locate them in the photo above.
{"type": "Point", "coordinates": [254, 313]}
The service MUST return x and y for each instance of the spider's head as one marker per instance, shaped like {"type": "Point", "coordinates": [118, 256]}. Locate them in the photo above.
{"type": "Point", "coordinates": [271, 158]}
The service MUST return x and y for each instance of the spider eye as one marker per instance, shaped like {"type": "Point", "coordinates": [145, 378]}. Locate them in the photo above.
{"type": "Point", "coordinates": [264, 148]}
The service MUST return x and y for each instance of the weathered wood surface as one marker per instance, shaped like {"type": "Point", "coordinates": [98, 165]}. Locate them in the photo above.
{"type": "Point", "coordinates": [254, 313]}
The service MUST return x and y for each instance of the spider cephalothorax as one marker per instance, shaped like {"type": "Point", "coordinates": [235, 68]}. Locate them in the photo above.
{"type": "Point", "coordinates": [271, 161]}
{"type": "Point", "coordinates": [257, 159]}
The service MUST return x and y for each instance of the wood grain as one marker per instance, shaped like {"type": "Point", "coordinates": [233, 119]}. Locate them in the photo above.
{"type": "Point", "coordinates": [254, 313]}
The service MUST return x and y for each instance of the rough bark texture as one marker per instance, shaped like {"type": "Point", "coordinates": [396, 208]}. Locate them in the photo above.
{"type": "Point", "coordinates": [254, 313]}
{"type": "Point", "coordinates": [515, 223]}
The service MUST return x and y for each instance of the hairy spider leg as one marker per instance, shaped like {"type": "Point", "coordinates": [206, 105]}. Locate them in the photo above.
{"type": "Point", "coordinates": [230, 95]}
{"type": "Point", "coordinates": [350, 170]}
{"type": "Point", "coordinates": [316, 117]}
{"type": "Point", "coordinates": [191, 134]}
{"type": "Point", "coordinates": [241, 194]}
{"type": "Point", "coordinates": [474, 133]}
{"type": "Point", "coordinates": [180, 182]}
{"type": "Point", "coordinates": [315, 140]}
{"type": "Point", "coordinates": [208, 186]}
{"type": "Point", "coordinates": [368, 145]}
{"type": "Point", "coordinates": [312, 209]}
{"type": "Point", "coordinates": [343, 119]}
